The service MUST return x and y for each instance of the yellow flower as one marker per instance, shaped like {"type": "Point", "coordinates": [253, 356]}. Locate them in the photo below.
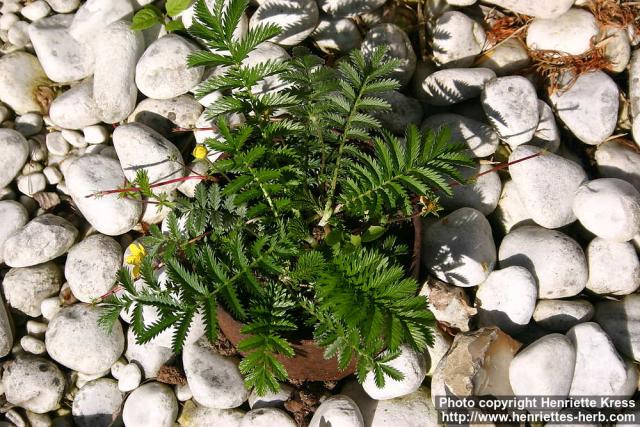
{"type": "Point", "coordinates": [135, 257]}
{"type": "Point", "coordinates": [200, 152]}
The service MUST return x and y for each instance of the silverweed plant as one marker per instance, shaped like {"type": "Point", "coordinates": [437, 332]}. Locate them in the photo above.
{"type": "Point", "coordinates": [298, 229]}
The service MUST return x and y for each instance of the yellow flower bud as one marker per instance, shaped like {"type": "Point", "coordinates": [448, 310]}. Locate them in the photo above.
{"type": "Point", "coordinates": [200, 152]}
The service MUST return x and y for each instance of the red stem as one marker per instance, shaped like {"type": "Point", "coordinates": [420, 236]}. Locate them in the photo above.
{"type": "Point", "coordinates": [502, 166]}
{"type": "Point", "coordinates": [157, 184]}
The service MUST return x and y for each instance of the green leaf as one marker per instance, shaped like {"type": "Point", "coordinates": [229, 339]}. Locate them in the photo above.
{"type": "Point", "coordinates": [175, 7]}
{"type": "Point", "coordinates": [146, 17]}
{"type": "Point", "coordinates": [173, 26]}
{"type": "Point", "coordinates": [373, 233]}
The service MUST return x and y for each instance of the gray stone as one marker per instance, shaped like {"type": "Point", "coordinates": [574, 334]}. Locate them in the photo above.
{"type": "Point", "coordinates": [151, 395]}
{"type": "Point", "coordinates": [94, 15]}
{"type": "Point", "coordinates": [109, 214]}
{"type": "Point", "coordinates": [26, 288]}
{"type": "Point", "coordinates": [270, 399]}
{"type": "Point", "coordinates": [6, 334]}
{"type": "Point", "coordinates": [349, 8]}
{"type": "Point", "coordinates": [617, 48]}
{"type": "Point", "coordinates": [544, 368]}
{"type": "Point", "coordinates": [267, 417]}
{"type": "Point", "coordinates": [546, 185]}
{"type": "Point", "coordinates": [162, 71]}
{"type": "Point", "coordinates": [506, 58]}
{"type": "Point", "coordinates": [457, 40]}
{"type": "Point", "coordinates": [398, 47]}
{"type": "Point", "coordinates": [614, 267]}
{"type": "Point", "coordinates": [404, 111]}
{"type": "Point", "coordinates": [589, 107]}
{"type": "Point", "coordinates": [413, 410]}
{"type": "Point", "coordinates": [570, 33]}
{"type": "Point", "coordinates": [614, 160]}
{"type": "Point", "coordinates": [297, 18]}
{"type": "Point", "coordinates": [35, 10]}
{"type": "Point", "coordinates": [481, 139]}
{"type": "Point", "coordinates": [547, 135]}
{"type": "Point", "coordinates": [599, 370]}
{"type": "Point", "coordinates": [449, 304]}
{"type": "Point", "coordinates": [336, 35]}
{"type": "Point", "coordinates": [453, 85]}
{"type": "Point", "coordinates": [621, 321]}
{"type": "Point", "coordinates": [91, 267]}
{"type": "Point", "coordinates": [40, 240]}
{"type": "Point", "coordinates": [538, 8]}
{"type": "Point", "coordinates": [29, 124]}
{"type": "Point", "coordinates": [14, 151]}
{"type": "Point", "coordinates": [161, 160]}
{"type": "Point", "coordinates": [562, 315]}
{"type": "Point", "coordinates": [63, 58]}
{"type": "Point", "coordinates": [193, 415]}
{"type": "Point", "coordinates": [481, 193]}
{"type": "Point", "coordinates": [609, 208]}
{"type": "Point", "coordinates": [75, 108]}
{"type": "Point", "coordinates": [553, 258]}
{"type": "Point", "coordinates": [20, 76]}
{"type": "Point", "coordinates": [149, 356]}
{"type": "Point", "coordinates": [459, 248]}
{"type": "Point", "coordinates": [413, 367]}
{"type": "Point", "coordinates": [31, 184]}
{"type": "Point", "coordinates": [76, 340]}
{"type": "Point", "coordinates": [63, 6]}
{"type": "Point", "coordinates": [510, 211]}
{"type": "Point", "coordinates": [507, 299]}
{"type": "Point", "coordinates": [33, 383]}
{"type": "Point", "coordinates": [215, 380]}
{"type": "Point", "coordinates": [118, 49]}
{"type": "Point", "coordinates": [97, 403]}
{"type": "Point", "coordinates": [164, 114]}
{"type": "Point", "coordinates": [338, 410]}
{"type": "Point", "coordinates": [511, 105]}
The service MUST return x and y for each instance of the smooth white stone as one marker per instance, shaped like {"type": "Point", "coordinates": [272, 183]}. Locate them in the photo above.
{"type": "Point", "coordinates": [570, 33]}
{"type": "Point", "coordinates": [457, 40]}
{"type": "Point", "coordinates": [296, 18]}
{"type": "Point", "coordinates": [614, 267]}
{"type": "Point", "coordinates": [481, 138]}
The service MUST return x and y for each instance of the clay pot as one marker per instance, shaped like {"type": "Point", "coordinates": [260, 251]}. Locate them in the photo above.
{"type": "Point", "coordinates": [308, 364]}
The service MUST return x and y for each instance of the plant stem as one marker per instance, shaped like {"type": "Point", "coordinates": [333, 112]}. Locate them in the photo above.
{"type": "Point", "coordinates": [157, 184]}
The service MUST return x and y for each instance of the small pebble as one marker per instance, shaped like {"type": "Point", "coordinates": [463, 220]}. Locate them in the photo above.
{"type": "Point", "coordinates": [56, 144]}
{"type": "Point", "coordinates": [74, 138]}
{"type": "Point", "coordinates": [29, 124]}
{"type": "Point", "coordinates": [18, 34]}
{"type": "Point", "coordinates": [31, 167]}
{"type": "Point", "coordinates": [6, 21]}
{"type": "Point", "coordinates": [36, 10]}
{"type": "Point", "coordinates": [32, 345]}
{"type": "Point", "coordinates": [50, 307]}
{"type": "Point", "coordinates": [32, 183]}
{"type": "Point", "coordinates": [52, 174]}
{"type": "Point", "coordinates": [129, 377]}
{"type": "Point", "coordinates": [183, 392]}
{"type": "Point", "coordinates": [36, 329]}
{"type": "Point", "coordinates": [95, 134]}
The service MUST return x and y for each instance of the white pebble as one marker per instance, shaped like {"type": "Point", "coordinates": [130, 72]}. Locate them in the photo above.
{"type": "Point", "coordinates": [74, 138]}
{"type": "Point", "coordinates": [183, 392]}
{"type": "Point", "coordinates": [32, 345]}
{"type": "Point", "coordinates": [129, 377]}
{"type": "Point", "coordinates": [31, 167]}
{"type": "Point", "coordinates": [7, 20]}
{"type": "Point", "coordinates": [4, 113]}
{"type": "Point", "coordinates": [52, 174]}
{"type": "Point", "coordinates": [37, 149]}
{"type": "Point", "coordinates": [18, 34]}
{"type": "Point", "coordinates": [32, 183]}
{"type": "Point", "coordinates": [50, 307]}
{"type": "Point", "coordinates": [56, 144]}
{"type": "Point", "coordinates": [29, 124]}
{"type": "Point", "coordinates": [116, 368]}
{"type": "Point", "coordinates": [36, 329]}
{"type": "Point", "coordinates": [36, 10]}
{"type": "Point", "coordinates": [95, 134]}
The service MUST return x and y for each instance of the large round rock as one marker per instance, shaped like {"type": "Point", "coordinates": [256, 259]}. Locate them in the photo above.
{"type": "Point", "coordinates": [25, 288]}
{"type": "Point", "coordinates": [13, 216]}
{"type": "Point", "coordinates": [14, 151]}
{"type": "Point", "coordinates": [214, 380]}
{"type": "Point", "coordinates": [92, 266]}
{"type": "Point", "coordinates": [459, 248]}
{"type": "Point", "coordinates": [621, 321]}
{"type": "Point", "coordinates": [553, 258]}
{"type": "Point", "coordinates": [337, 410]}
{"type": "Point", "coordinates": [33, 383]}
{"type": "Point", "coordinates": [44, 238]}
{"type": "Point", "coordinates": [413, 367]}
{"type": "Point", "coordinates": [96, 403]}
{"type": "Point", "coordinates": [76, 340]}
{"type": "Point", "coordinates": [109, 214]}
{"type": "Point", "coordinates": [614, 267]}
{"type": "Point", "coordinates": [150, 405]}
{"type": "Point", "coordinates": [545, 367]}
{"type": "Point", "coordinates": [609, 208]}
{"type": "Point", "coordinates": [162, 71]}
